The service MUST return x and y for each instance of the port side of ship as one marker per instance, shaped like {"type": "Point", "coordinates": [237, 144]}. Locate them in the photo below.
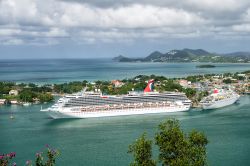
{"type": "Point", "coordinates": [78, 112]}
{"type": "Point", "coordinates": [91, 105]}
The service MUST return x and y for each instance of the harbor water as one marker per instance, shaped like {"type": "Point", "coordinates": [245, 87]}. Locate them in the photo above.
{"type": "Point", "coordinates": [104, 141]}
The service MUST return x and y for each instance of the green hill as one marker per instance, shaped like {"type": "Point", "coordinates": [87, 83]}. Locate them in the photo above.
{"type": "Point", "coordinates": [190, 55]}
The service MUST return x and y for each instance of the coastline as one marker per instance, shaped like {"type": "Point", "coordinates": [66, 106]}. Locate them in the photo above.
{"type": "Point", "coordinates": [195, 87]}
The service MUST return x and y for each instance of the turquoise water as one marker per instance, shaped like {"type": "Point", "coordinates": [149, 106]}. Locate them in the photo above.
{"type": "Point", "coordinates": [104, 141]}
{"type": "Point", "coordinates": [65, 70]}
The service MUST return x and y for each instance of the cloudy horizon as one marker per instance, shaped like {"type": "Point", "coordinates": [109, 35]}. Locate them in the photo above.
{"type": "Point", "coordinates": [90, 28]}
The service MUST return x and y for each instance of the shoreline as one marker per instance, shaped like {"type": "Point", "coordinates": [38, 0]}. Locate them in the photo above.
{"type": "Point", "coordinates": [194, 86]}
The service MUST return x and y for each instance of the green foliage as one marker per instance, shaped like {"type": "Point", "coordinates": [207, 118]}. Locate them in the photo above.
{"type": "Point", "coordinates": [71, 87]}
{"type": "Point", "coordinates": [5, 159]}
{"type": "Point", "coordinates": [227, 81]}
{"type": "Point", "coordinates": [171, 85]}
{"type": "Point", "coordinates": [142, 152]}
{"type": "Point", "coordinates": [41, 160]}
{"type": "Point", "coordinates": [197, 148]}
{"type": "Point", "coordinates": [41, 89]}
{"type": "Point", "coordinates": [172, 144]}
{"type": "Point", "coordinates": [201, 95]}
{"type": "Point", "coordinates": [51, 155]}
{"type": "Point", "coordinates": [178, 149]}
{"type": "Point", "coordinates": [175, 147]}
{"type": "Point", "coordinates": [110, 89]}
{"type": "Point", "coordinates": [32, 85]}
{"type": "Point", "coordinates": [246, 72]}
{"type": "Point", "coordinates": [27, 95]}
{"type": "Point", "coordinates": [45, 97]}
{"type": "Point", "coordinates": [140, 86]}
{"type": "Point", "coordinates": [5, 87]}
{"type": "Point", "coordinates": [189, 92]}
{"type": "Point", "coordinates": [192, 78]}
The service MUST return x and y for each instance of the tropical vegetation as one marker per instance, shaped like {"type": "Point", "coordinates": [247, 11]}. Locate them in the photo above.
{"type": "Point", "coordinates": [175, 147]}
{"type": "Point", "coordinates": [46, 158]}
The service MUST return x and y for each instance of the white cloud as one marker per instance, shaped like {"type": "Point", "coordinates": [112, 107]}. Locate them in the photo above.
{"type": "Point", "coordinates": [134, 16]}
{"type": "Point", "coordinates": [242, 28]}
{"type": "Point", "coordinates": [246, 15]}
{"type": "Point", "coordinates": [11, 41]}
{"type": "Point", "coordinates": [217, 5]}
{"type": "Point", "coordinates": [42, 20]}
{"type": "Point", "coordinates": [9, 32]}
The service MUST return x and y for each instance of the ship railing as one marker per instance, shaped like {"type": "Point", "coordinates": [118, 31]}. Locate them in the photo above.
{"type": "Point", "coordinates": [126, 106]}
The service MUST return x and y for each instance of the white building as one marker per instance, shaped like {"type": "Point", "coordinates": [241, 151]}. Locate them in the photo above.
{"type": "Point", "coordinates": [13, 92]}
{"type": "Point", "coordinates": [2, 101]}
{"type": "Point", "coordinates": [13, 102]}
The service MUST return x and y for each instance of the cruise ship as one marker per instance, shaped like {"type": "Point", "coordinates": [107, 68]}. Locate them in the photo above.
{"type": "Point", "coordinates": [219, 98]}
{"type": "Point", "coordinates": [94, 104]}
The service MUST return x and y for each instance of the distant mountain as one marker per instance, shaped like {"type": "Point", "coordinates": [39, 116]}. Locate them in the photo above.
{"type": "Point", "coordinates": [197, 52]}
{"type": "Point", "coordinates": [154, 55]}
{"type": "Point", "coordinates": [189, 55]}
{"type": "Point", "coordinates": [239, 54]}
{"type": "Point", "coordinates": [121, 58]}
{"type": "Point", "coordinates": [118, 58]}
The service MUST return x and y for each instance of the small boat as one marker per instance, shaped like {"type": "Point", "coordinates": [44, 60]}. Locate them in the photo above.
{"type": "Point", "coordinates": [26, 104]}
{"type": "Point", "coordinates": [12, 117]}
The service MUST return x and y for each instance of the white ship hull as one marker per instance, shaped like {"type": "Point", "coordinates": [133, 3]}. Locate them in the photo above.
{"type": "Point", "coordinates": [68, 113]}
{"type": "Point", "coordinates": [220, 103]}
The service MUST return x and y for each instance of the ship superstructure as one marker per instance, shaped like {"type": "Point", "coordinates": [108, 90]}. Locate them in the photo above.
{"type": "Point", "coordinates": [94, 104]}
{"type": "Point", "coordinates": [219, 98]}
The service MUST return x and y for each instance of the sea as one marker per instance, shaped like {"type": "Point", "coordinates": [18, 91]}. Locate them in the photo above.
{"type": "Point", "coordinates": [46, 71]}
{"type": "Point", "coordinates": [105, 141]}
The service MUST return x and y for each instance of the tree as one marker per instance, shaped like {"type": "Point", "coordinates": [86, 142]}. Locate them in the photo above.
{"type": "Point", "coordinates": [178, 149]}
{"type": "Point", "coordinates": [27, 95]}
{"type": "Point", "coordinates": [45, 97]}
{"type": "Point", "coordinates": [197, 148]}
{"type": "Point", "coordinates": [172, 144]}
{"type": "Point", "coordinates": [171, 85]}
{"type": "Point", "coordinates": [175, 147]}
{"type": "Point", "coordinates": [189, 92]}
{"type": "Point", "coordinates": [142, 152]}
{"type": "Point", "coordinates": [41, 160]}
{"type": "Point", "coordinates": [227, 81]}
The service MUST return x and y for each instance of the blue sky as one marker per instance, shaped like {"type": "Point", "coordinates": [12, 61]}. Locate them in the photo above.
{"type": "Point", "coordinates": [93, 28]}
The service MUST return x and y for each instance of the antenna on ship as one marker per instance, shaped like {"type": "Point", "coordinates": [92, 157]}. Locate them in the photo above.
{"type": "Point", "coordinates": [84, 90]}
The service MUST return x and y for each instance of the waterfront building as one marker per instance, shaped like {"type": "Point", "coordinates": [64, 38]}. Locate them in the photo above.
{"type": "Point", "coordinates": [13, 102]}
{"type": "Point", "coordinates": [2, 101]}
{"type": "Point", "coordinates": [117, 83]}
{"type": "Point", "coordinates": [13, 92]}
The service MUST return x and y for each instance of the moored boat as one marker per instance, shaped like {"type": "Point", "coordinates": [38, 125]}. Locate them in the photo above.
{"type": "Point", "coordinates": [219, 98]}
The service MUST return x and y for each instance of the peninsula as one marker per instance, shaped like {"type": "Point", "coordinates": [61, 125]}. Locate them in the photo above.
{"type": "Point", "coordinates": [189, 55]}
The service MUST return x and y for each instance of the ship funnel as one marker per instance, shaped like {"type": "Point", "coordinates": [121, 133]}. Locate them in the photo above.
{"type": "Point", "coordinates": [216, 91]}
{"type": "Point", "coordinates": [150, 86]}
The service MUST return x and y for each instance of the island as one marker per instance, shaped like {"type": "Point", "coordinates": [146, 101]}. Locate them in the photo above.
{"type": "Point", "coordinates": [205, 66]}
{"type": "Point", "coordinates": [189, 55]}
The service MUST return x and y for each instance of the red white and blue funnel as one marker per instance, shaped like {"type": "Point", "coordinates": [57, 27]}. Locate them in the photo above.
{"type": "Point", "coordinates": [150, 86]}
